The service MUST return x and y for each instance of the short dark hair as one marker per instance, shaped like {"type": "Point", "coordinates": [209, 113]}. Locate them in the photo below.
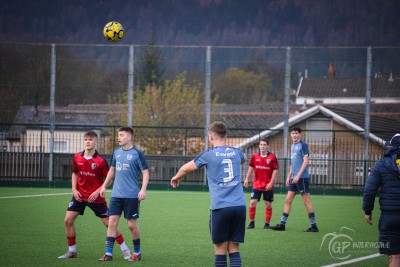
{"type": "Point", "coordinates": [219, 128]}
{"type": "Point", "coordinates": [126, 129]}
{"type": "Point", "coordinates": [92, 134]}
{"type": "Point", "coordinates": [264, 139]}
{"type": "Point", "coordinates": [295, 129]}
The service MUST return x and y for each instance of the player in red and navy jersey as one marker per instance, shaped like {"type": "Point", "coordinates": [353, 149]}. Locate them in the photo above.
{"type": "Point", "coordinates": [265, 167]}
{"type": "Point", "coordinates": [89, 169]}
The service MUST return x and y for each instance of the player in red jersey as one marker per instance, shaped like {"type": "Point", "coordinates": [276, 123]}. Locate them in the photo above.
{"type": "Point", "coordinates": [89, 169]}
{"type": "Point", "coordinates": [265, 167]}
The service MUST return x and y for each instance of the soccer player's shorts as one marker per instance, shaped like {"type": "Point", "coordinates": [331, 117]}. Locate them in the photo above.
{"type": "Point", "coordinates": [228, 224]}
{"type": "Point", "coordinates": [100, 209]}
{"type": "Point", "coordinates": [130, 206]}
{"type": "Point", "coordinates": [389, 234]}
{"type": "Point", "coordinates": [267, 195]}
{"type": "Point", "coordinates": [302, 186]}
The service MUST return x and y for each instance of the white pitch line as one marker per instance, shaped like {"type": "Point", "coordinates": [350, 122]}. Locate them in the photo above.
{"type": "Point", "coordinates": [354, 260]}
{"type": "Point", "coordinates": [41, 195]}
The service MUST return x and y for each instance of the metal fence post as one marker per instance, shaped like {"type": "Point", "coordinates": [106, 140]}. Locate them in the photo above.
{"type": "Point", "coordinates": [367, 109]}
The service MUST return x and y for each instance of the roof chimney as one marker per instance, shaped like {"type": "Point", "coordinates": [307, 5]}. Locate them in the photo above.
{"type": "Point", "coordinates": [331, 71]}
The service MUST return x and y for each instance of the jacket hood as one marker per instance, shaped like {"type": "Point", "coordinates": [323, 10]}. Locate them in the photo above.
{"type": "Point", "coordinates": [391, 151]}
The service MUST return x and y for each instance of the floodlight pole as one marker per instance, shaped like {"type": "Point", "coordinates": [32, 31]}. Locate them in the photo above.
{"type": "Point", "coordinates": [52, 109]}
{"type": "Point", "coordinates": [286, 105]}
{"type": "Point", "coordinates": [207, 101]}
{"type": "Point", "coordinates": [131, 78]}
{"type": "Point", "coordinates": [367, 108]}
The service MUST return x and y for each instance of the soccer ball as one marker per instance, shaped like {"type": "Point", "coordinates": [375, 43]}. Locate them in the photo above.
{"type": "Point", "coordinates": [113, 31]}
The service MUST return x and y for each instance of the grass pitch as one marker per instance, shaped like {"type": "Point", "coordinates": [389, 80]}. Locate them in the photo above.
{"type": "Point", "coordinates": [174, 232]}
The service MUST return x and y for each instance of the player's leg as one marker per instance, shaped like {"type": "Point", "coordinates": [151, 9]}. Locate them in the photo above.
{"type": "Point", "coordinates": [220, 251]}
{"type": "Point", "coordinates": [268, 197]}
{"type": "Point", "coordinates": [394, 260]}
{"type": "Point", "coordinates": [120, 240]}
{"type": "Point", "coordinates": [114, 212]}
{"type": "Point", "coordinates": [131, 213]}
{"type": "Point", "coordinates": [303, 187]}
{"type": "Point", "coordinates": [101, 209]}
{"type": "Point", "coordinates": [286, 209]}
{"type": "Point", "coordinates": [254, 198]}
{"type": "Point", "coordinates": [69, 220]}
{"type": "Point", "coordinates": [74, 209]}
{"type": "Point", "coordinates": [235, 260]}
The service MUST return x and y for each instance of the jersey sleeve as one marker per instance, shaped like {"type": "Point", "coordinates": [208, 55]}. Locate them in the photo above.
{"type": "Point", "coordinates": [74, 164]}
{"type": "Point", "coordinates": [201, 159]}
{"type": "Point", "coordinates": [143, 161]}
{"type": "Point", "coordinates": [251, 163]}
{"type": "Point", "coordinates": [275, 165]}
{"type": "Point", "coordinates": [304, 148]}
{"type": "Point", "coordinates": [113, 162]}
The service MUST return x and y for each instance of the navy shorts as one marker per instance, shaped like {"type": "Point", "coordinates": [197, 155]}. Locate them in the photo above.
{"type": "Point", "coordinates": [267, 195]}
{"type": "Point", "coordinates": [130, 206]}
{"type": "Point", "coordinates": [389, 234]}
{"type": "Point", "coordinates": [302, 186]}
{"type": "Point", "coordinates": [228, 224]}
{"type": "Point", "coordinates": [100, 209]}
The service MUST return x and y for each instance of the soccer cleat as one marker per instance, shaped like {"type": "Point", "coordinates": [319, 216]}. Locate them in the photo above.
{"type": "Point", "coordinates": [312, 230]}
{"type": "Point", "coordinates": [69, 255]}
{"type": "Point", "coordinates": [251, 225]}
{"type": "Point", "coordinates": [127, 254]}
{"type": "Point", "coordinates": [266, 226]}
{"type": "Point", "coordinates": [106, 257]}
{"type": "Point", "coordinates": [278, 227]}
{"type": "Point", "coordinates": [136, 257]}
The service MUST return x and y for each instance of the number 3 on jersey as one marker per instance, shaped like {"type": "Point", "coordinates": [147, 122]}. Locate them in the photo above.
{"type": "Point", "coordinates": [228, 170]}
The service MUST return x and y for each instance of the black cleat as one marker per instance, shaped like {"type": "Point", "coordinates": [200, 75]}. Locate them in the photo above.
{"type": "Point", "coordinates": [266, 226]}
{"type": "Point", "coordinates": [278, 227]}
{"type": "Point", "coordinates": [312, 230]}
{"type": "Point", "coordinates": [251, 225]}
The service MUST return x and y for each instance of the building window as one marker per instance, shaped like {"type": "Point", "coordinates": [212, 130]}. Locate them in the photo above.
{"type": "Point", "coordinates": [60, 146]}
{"type": "Point", "coordinates": [319, 131]}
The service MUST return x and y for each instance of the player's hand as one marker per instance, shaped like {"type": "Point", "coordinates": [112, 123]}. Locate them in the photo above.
{"type": "Point", "coordinates": [93, 196]}
{"type": "Point", "coordinates": [246, 183]}
{"type": "Point", "coordinates": [77, 195]}
{"type": "Point", "coordinates": [295, 180]}
{"type": "Point", "coordinates": [175, 182]}
{"type": "Point", "coordinates": [142, 195]}
{"type": "Point", "coordinates": [103, 192]}
{"type": "Point", "coordinates": [268, 187]}
{"type": "Point", "coordinates": [368, 218]}
{"type": "Point", "coordinates": [287, 182]}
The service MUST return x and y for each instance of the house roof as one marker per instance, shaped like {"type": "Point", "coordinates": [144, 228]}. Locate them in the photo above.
{"type": "Point", "coordinates": [381, 87]}
{"type": "Point", "coordinates": [381, 128]}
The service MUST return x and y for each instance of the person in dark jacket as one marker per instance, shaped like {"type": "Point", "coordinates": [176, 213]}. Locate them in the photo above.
{"type": "Point", "coordinates": [386, 176]}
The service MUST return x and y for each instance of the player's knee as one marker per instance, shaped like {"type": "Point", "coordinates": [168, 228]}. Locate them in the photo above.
{"type": "Point", "coordinates": [68, 221]}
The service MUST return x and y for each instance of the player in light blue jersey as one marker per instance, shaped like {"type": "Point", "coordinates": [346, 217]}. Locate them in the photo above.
{"type": "Point", "coordinates": [228, 205]}
{"type": "Point", "coordinates": [127, 164]}
{"type": "Point", "coordinates": [298, 181]}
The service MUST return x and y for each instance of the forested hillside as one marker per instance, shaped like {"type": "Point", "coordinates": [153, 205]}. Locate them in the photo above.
{"type": "Point", "coordinates": [205, 22]}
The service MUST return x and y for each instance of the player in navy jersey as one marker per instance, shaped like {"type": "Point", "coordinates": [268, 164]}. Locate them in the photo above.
{"type": "Point", "coordinates": [88, 171]}
{"type": "Point", "coordinates": [228, 205]}
{"type": "Point", "coordinates": [265, 167]}
{"type": "Point", "coordinates": [298, 181]}
{"type": "Point", "coordinates": [127, 165]}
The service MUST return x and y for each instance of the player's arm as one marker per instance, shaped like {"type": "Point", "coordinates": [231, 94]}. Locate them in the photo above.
{"type": "Point", "coordinates": [93, 196]}
{"type": "Point", "coordinates": [302, 169]}
{"type": "Point", "coordinates": [288, 176]}
{"type": "Point", "coordinates": [185, 169]}
{"type": "Point", "coordinates": [145, 178]}
{"type": "Point", "coordinates": [74, 182]}
{"type": "Point", "coordinates": [107, 181]}
{"type": "Point", "coordinates": [248, 175]}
